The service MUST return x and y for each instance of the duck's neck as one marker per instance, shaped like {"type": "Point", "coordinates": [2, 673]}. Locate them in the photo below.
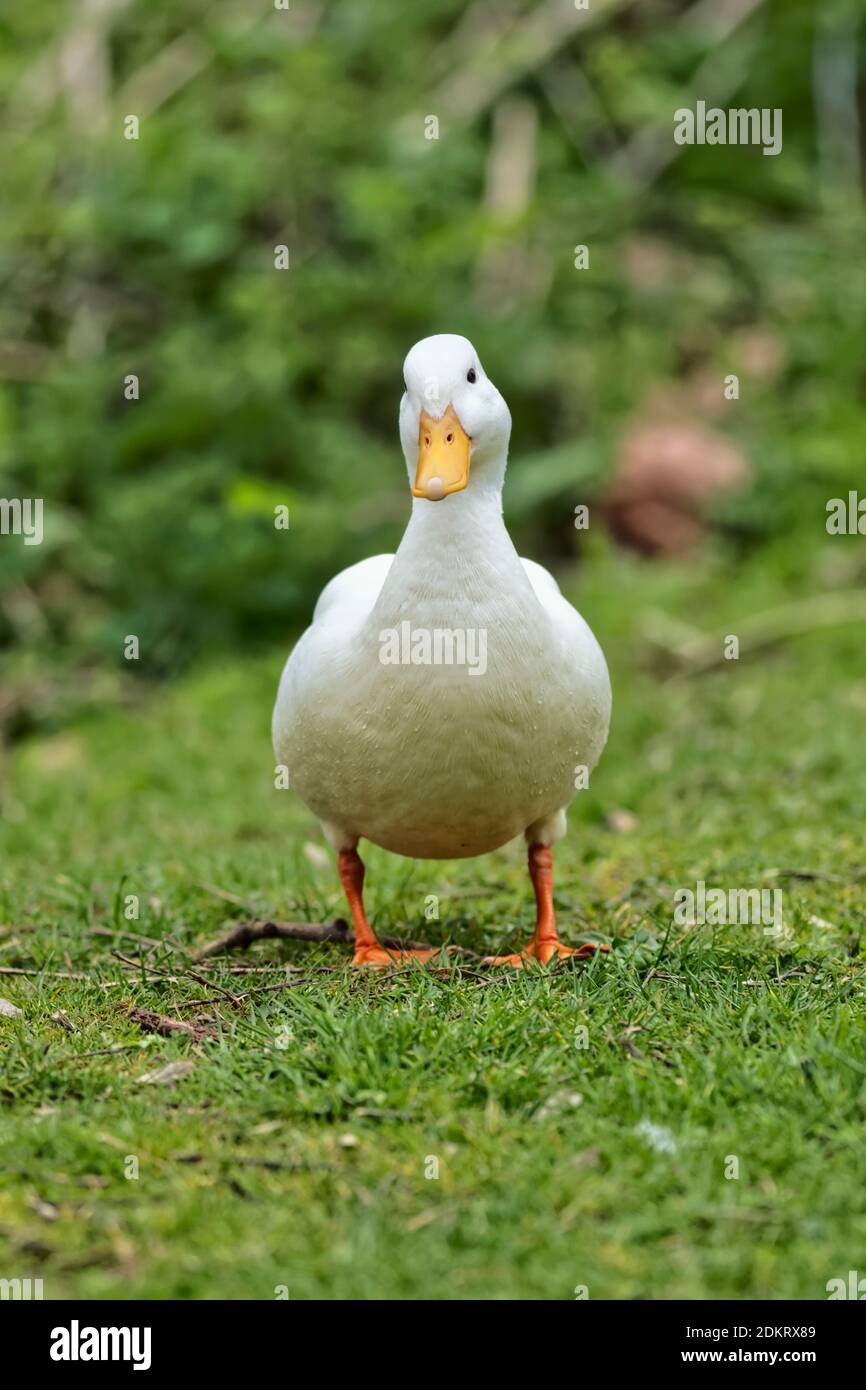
{"type": "Point", "coordinates": [466, 523]}
{"type": "Point", "coordinates": [455, 554]}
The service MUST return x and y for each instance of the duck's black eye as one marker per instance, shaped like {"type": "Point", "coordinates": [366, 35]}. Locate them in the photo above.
{"type": "Point", "coordinates": [470, 375]}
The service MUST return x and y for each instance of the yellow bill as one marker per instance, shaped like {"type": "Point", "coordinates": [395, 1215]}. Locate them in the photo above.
{"type": "Point", "coordinates": [443, 456]}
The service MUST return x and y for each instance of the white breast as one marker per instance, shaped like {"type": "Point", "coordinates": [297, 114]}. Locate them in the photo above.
{"type": "Point", "coordinates": [442, 760]}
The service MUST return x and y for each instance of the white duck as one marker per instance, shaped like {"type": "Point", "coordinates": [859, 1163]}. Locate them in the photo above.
{"type": "Point", "coordinates": [444, 697]}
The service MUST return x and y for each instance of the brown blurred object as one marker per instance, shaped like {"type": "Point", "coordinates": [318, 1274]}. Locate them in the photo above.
{"type": "Point", "coordinates": [666, 472]}
{"type": "Point", "coordinates": [761, 353]}
{"type": "Point", "coordinates": [651, 263]}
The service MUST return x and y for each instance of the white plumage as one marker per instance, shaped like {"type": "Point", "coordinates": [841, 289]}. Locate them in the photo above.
{"type": "Point", "coordinates": [435, 760]}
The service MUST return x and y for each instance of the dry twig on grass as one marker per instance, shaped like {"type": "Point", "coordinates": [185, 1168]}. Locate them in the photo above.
{"type": "Point", "coordinates": [170, 1027]}
{"type": "Point", "coordinates": [244, 933]}
{"type": "Point", "coordinates": [693, 653]}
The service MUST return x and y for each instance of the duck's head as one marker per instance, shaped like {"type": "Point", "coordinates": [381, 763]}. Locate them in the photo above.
{"type": "Point", "coordinates": [451, 417]}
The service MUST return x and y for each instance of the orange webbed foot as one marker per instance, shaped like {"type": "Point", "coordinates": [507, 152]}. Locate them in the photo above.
{"type": "Point", "coordinates": [546, 951]}
{"type": "Point", "coordinates": [378, 958]}
{"type": "Point", "coordinates": [543, 952]}
{"type": "Point", "coordinates": [545, 945]}
{"type": "Point", "coordinates": [518, 961]}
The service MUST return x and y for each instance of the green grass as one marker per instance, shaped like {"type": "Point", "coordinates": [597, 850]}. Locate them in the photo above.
{"type": "Point", "coordinates": [294, 1152]}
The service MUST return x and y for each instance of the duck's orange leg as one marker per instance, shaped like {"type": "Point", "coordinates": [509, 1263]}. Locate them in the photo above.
{"type": "Point", "coordinates": [545, 944]}
{"type": "Point", "coordinates": [367, 949]}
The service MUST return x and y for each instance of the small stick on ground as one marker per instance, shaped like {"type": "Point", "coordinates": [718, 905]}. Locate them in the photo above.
{"type": "Point", "coordinates": [761, 631]}
{"type": "Point", "coordinates": [625, 1041]}
{"type": "Point", "coordinates": [170, 1027]}
{"type": "Point", "coordinates": [244, 933]}
{"type": "Point", "coordinates": [175, 979]}
{"type": "Point", "coordinates": [50, 974]}
{"type": "Point", "coordinates": [129, 935]}
{"type": "Point", "coordinates": [239, 998]}
{"type": "Point", "coordinates": [212, 984]}
{"type": "Point", "coordinates": [103, 1052]}
{"type": "Point", "coordinates": [222, 893]}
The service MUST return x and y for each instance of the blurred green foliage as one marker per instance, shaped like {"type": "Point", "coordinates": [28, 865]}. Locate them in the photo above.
{"type": "Point", "coordinates": [306, 127]}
